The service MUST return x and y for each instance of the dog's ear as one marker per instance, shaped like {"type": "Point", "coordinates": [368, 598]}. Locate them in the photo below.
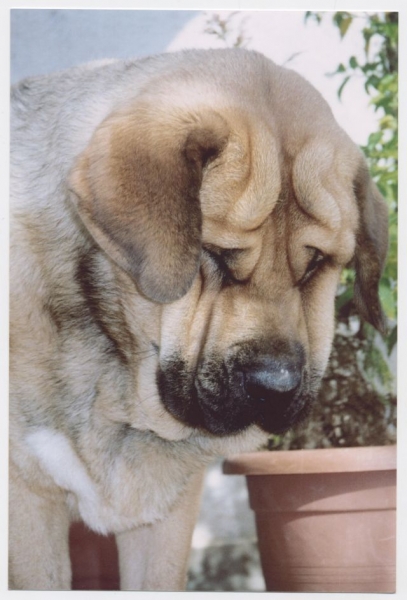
{"type": "Point", "coordinates": [371, 248]}
{"type": "Point", "coordinates": [136, 187]}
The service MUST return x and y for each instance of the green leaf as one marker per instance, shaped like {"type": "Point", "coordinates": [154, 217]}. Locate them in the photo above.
{"type": "Point", "coordinates": [341, 87]}
{"type": "Point", "coordinates": [374, 138]}
{"type": "Point", "coordinates": [387, 298]}
{"type": "Point", "coordinates": [313, 15]}
{"type": "Point", "coordinates": [367, 34]}
{"type": "Point", "coordinates": [344, 24]}
{"type": "Point", "coordinates": [388, 122]}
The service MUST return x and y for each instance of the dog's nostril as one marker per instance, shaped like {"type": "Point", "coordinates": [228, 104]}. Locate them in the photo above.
{"type": "Point", "coordinates": [270, 377]}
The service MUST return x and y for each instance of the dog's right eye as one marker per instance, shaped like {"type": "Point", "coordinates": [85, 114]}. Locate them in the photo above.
{"type": "Point", "coordinates": [223, 259]}
{"type": "Point", "coordinates": [218, 259]}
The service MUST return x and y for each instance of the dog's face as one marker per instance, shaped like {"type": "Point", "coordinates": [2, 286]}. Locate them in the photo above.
{"type": "Point", "coordinates": [235, 215]}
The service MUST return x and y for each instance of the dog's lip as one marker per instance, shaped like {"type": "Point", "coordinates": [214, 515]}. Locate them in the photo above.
{"type": "Point", "coordinates": [260, 416]}
{"type": "Point", "coordinates": [213, 420]}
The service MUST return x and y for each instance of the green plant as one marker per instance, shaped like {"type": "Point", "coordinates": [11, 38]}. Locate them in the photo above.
{"type": "Point", "coordinates": [228, 29]}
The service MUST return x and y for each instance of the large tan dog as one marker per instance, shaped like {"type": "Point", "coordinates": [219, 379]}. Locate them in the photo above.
{"type": "Point", "coordinates": [179, 225]}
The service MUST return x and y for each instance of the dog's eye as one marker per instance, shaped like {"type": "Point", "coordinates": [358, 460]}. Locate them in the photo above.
{"type": "Point", "coordinates": [223, 260]}
{"type": "Point", "coordinates": [317, 260]}
{"type": "Point", "coordinates": [218, 257]}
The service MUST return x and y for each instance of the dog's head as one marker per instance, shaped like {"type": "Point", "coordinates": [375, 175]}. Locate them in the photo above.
{"type": "Point", "coordinates": [233, 200]}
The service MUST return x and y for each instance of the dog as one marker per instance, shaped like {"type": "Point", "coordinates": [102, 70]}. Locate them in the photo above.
{"type": "Point", "coordinates": [178, 229]}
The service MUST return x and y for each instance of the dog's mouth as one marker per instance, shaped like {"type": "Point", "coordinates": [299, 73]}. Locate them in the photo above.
{"type": "Point", "coordinates": [226, 397]}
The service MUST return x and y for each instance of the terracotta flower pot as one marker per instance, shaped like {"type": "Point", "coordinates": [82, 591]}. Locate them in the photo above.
{"type": "Point", "coordinates": [326, 519]}
{"type": "Point", "coordinates": [94, 559]}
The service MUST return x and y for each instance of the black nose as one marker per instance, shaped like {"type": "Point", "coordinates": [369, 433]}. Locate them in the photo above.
{"type": "Point", "coordinates": [268, 378]}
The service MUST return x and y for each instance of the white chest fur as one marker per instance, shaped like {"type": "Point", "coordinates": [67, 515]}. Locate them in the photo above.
{"type": "Point", "coordinates": [101, 511]}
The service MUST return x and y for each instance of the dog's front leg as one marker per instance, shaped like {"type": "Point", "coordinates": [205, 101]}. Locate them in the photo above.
{"type": "Point", "coordinates": [155, 557]}
{"type": "Point", "coordinates": [38, 539]}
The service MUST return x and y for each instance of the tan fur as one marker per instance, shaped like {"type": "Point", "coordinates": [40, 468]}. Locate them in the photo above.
{"type": "Point", "coordinates": [165, 214]}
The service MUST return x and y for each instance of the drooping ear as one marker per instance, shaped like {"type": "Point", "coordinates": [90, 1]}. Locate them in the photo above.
{"type": "Point", "coordinates": [136, 187]}
{"type": "Point", "coordinates": [371, 249]}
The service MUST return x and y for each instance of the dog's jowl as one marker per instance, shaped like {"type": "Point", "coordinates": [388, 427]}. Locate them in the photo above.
{"type": "Point", "coordinates": [179, 225]}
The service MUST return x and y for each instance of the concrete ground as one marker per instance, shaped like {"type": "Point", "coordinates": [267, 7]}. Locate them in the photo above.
{"type": "Point", "coordinates": [224, 553]}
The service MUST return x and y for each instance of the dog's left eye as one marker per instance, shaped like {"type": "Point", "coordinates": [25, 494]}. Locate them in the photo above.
{"type": "Point", "coordinates": [317, 260]}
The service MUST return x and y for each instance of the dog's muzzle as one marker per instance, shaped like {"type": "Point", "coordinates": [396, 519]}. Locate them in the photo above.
{"type": "Point", "coordinates": [265, 384]}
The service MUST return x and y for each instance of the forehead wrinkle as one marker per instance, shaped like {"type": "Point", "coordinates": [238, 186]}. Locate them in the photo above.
{"type": "Point", "coordinates": [260, 195]}
{"type": "Point", "coordinates": [310, 167]}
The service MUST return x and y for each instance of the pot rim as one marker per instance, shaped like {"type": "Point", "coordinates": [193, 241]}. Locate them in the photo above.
{"type": "Point", "coordinates": [320, 460]}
